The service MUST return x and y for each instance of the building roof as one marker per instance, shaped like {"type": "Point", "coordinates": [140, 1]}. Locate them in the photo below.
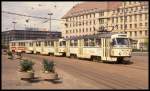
{"type": "Point", "coordinates": [92, 6]}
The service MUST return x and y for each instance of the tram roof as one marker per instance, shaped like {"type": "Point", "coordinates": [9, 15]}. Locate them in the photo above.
{"type": "Point", "coordinates": [21, 40]}
{"type": "Point", "coordinates": [35, 40]}
{"type": "Point", "coordinates": [99, 35]}
{"type": "Point", "coordinates": [56, 39]}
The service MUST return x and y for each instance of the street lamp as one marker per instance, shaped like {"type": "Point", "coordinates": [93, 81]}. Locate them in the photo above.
{"type": "Point", "coordinates": [14, 24]}
{"type": "Point", "coordinates": [50, 20]}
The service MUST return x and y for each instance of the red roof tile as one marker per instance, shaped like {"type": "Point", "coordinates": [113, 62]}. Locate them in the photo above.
{"type": "Point", "coordinates": [93, 5]}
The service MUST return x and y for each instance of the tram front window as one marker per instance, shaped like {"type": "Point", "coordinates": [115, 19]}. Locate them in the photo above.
{"type": "Point", "coordinates": [62, 43]}
{"type": "Point", "coordinates": [120, 41]}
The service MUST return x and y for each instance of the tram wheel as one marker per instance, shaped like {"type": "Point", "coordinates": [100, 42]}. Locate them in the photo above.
{"type": "Point", "coordinates": [94, 59]}
{"type": "Point", "coordinates": [119, 60]}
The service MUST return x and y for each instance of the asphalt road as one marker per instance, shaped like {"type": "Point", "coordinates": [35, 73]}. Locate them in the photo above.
{"type": "Point", "coordinates": [81, 74]}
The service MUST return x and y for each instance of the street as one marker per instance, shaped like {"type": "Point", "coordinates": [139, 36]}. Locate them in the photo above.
{"type": "Point", "coordinates": [80, 74]}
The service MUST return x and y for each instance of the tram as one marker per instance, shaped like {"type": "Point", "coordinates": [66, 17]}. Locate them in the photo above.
{"type": "Point", "coordinates": [104, 46]}
{"type": "Point", "coordinates": [20, 46]}
{"type": "Point", "coordinates": [99, 47]}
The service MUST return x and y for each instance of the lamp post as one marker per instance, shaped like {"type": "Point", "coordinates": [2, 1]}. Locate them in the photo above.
{"type": "Point", "coordinates": [50, 20]}
{"type": "Point", "coordinates": [14, 24]}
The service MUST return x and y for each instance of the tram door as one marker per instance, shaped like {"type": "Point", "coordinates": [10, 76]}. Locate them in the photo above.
{"type": "Point", "coordinates": [68, 47]}
{"type": "Point", "coordinates": [42, 46]}
{"type": "Point", "coordinates": [105, 48]}
{"type": "Point", "coordinates": [80, 47]}
{"type": "Point", "coordinates": [34, 47]}
{"type": "Point", "coordinates": [56, 44]}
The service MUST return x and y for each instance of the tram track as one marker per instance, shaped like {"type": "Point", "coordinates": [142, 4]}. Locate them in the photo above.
{"type": "Point", "coordinates": [97, 77]}
{"type": "Point", "coordinates": [135, 66]}
{"type": "Point", "coordinates": [105, 78]}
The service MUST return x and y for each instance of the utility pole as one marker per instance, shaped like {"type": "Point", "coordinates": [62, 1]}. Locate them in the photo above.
{"type": "Point", "coordinates": [50, 20]}
{"type": "Point", "coordinates": [14, 24]}
{"type": "Point", "coordinates": [124, 15]}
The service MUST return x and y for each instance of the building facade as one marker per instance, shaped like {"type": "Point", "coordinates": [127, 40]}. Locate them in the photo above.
{"type": "Point", "coordinates": [88, 18]}
{"type": "Point", "coordinates": [27, 35]}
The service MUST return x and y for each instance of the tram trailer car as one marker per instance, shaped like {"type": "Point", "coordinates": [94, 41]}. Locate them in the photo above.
{"type": "Point", "coordinates": [44, 46]}
{"type": "Point", "coordinates": [49, 47]}
{"type": "Point", "coordinates": [105, 47]}
{"type": "Point", "coordinates": [20, 46]}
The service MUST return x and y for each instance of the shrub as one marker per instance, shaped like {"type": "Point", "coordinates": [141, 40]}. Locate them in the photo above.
{"type": "Point", "coordinates": [48, 65]}
{"type": "Point", "coordinates": [26, 65]}
{"type": "Point", "coordinates": [9, 53]}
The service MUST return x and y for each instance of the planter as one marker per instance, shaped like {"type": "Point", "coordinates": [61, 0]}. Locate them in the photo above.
{"type": "Point", "coordinates": [26, 75]}
{"type": "Point", "coordinates": [48, 76]}
{"type": "Point", "coordinates": [18, 57]}
{"type": "Point", "coordinates": [57, 79]}
{"type": "Point", "coordinates": [10, 57]}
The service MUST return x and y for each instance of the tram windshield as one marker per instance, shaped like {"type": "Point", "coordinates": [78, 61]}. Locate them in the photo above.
{"type": "Point", "coordinates": [62, 43]}
{"type": "Point", "coordinates": [120, 41]}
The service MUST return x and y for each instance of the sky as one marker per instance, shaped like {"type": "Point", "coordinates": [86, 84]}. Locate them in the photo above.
{"type": "Point", "coordinates": [40, 9]}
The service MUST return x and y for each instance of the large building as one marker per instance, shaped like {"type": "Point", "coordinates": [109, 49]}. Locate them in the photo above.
{"type": "Point", "coordinates": [88, 18]}
{"type": "Point", "coordinates": [27, 35]}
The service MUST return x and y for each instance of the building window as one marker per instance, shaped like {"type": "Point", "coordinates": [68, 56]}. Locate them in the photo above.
{"type": "Point", "coordinates": [93, 28]}
{"type": "Point", "coordinates": [135, 18]}
{"type": "Point", "coordinates": [87, 16]}
{"type": "Point", "coordinates": [140, 32]}
{"type": "Point", "coordinates": [140, 24]}
{"type": "Point", "coordinates": [66, 32]}
{"type": "Point", "coordinates": [94, 21]}
{"type": "Point", "coordinates": [101, 14]}
{"type": "Point", "coordinates": [116, 26]}
{"type": "Point", "coordinates": [90, 22]}
{"type": "Point", "coordinates": [94, 15]}
{"type": "Point", "coordinates": [130, 19]}
{"type": "Point", "coordinates": [121, 26]}
{"type": "Point", "coordinates": [76, 31]}
{"type": "Point", "coordinates": [86, 29]}
{"type": "Point", "coordinates": [131, 9]}
{"type": "Point", "coordinates": [130, 25]}
{"type": "Point", "coordinates": [121, 18]}
{"type": "Point", "coordinates": [125, 18]}
{"type": "Point", "coordinates": [135, 33]}
{"type": "Point", "coordinates": [146, 24]}
{"type": "Point", "coordinates": [80, 24]}
{"type": "Point", "coordinates": [73, 31]}
{"type": "Point", "coordinates": [101, 21]}
{"type": "Point", "coordinates": [146, 33]}
{"type": "Point", "coordinates": [86, 22]}
{"type": "Point", "coordinates": [146, 16]}
{"type": "Point", "coordinates": [125, 27]}
{"type": "Point", "coordinates": [130, 33]}
{"type": "Point", "coordinates": [140, 17]}
{"type": "Point", "coordinates": [79, 30]}
{"type": "Point", "coordinates": [70, 31]}
{"type": "Point", "coordinates": [116, 20]}
{"type": "Point", "coordinates": [135, 25]}
{"type": "Point", "coordinates": [112, 20]}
